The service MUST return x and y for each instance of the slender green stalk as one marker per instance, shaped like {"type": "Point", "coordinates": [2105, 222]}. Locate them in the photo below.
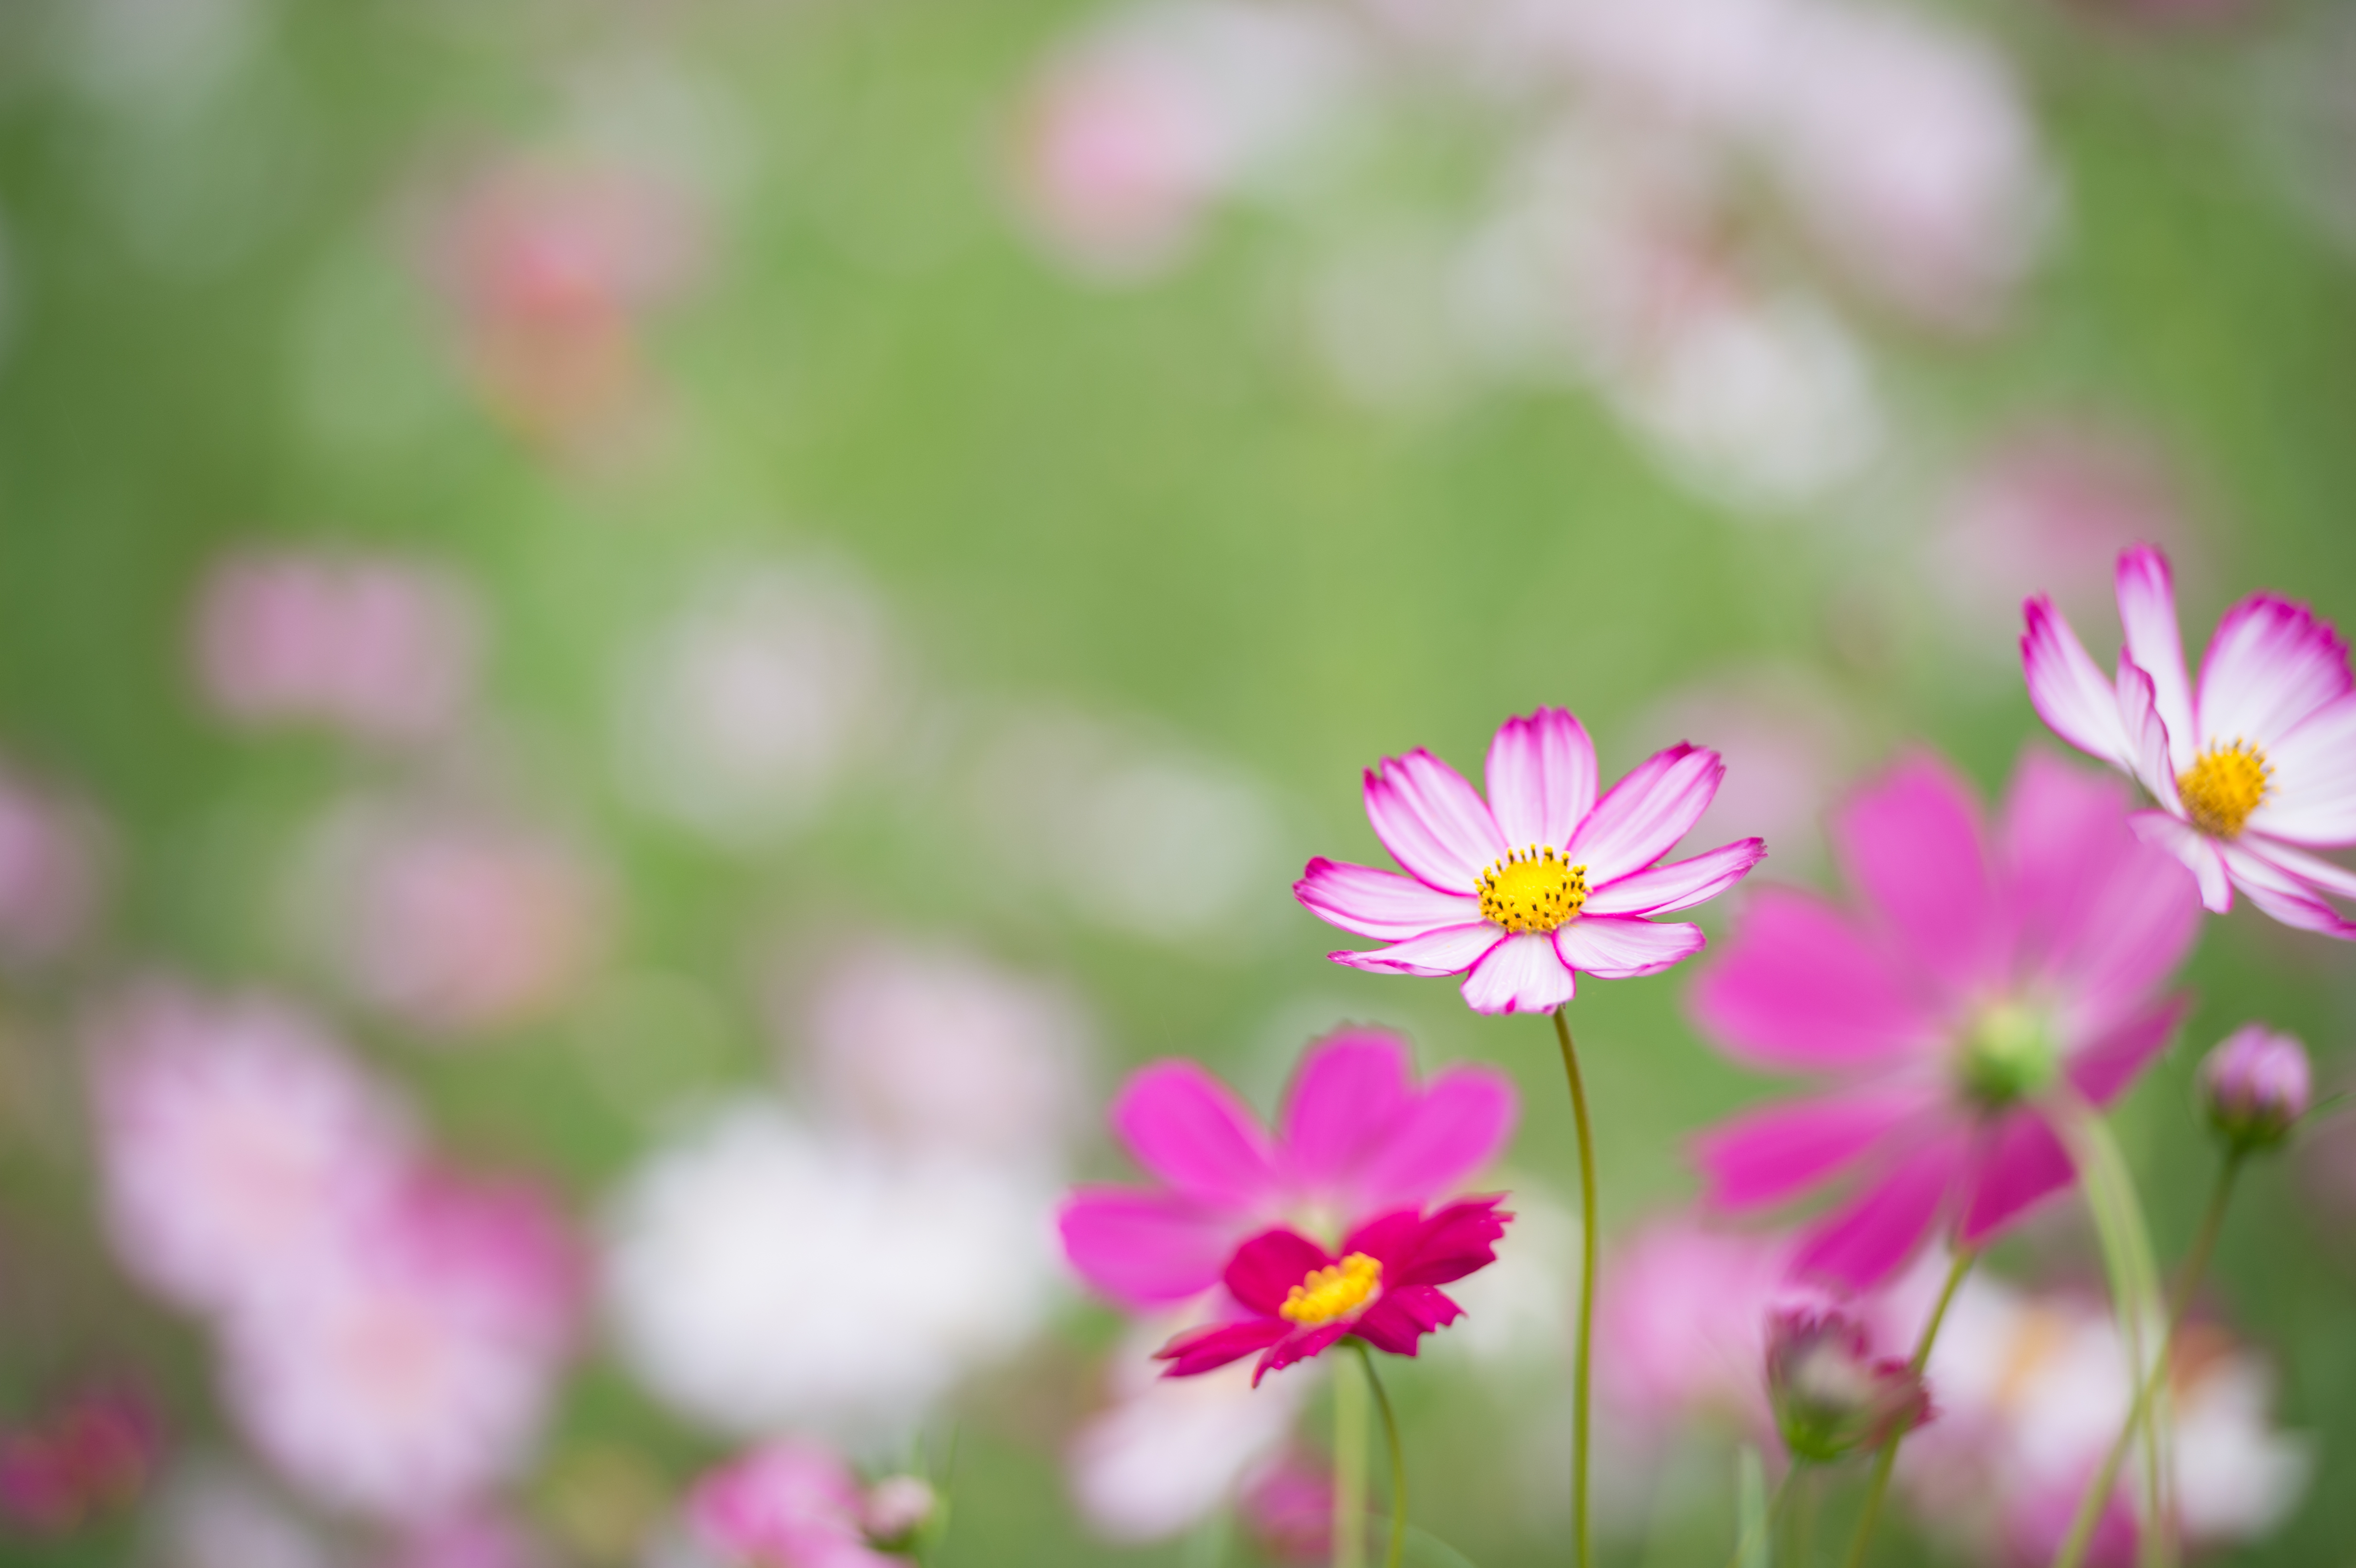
{"type": "Point", "coordinates": [2196, 1263]}
{"type": "Point", "coordinates": [1888, 1457]}
{"type": "Point", "coordinates": [1349, 1472]}
{"type": "Point", "coordinates": [1761, 1529]}
{"type": "Point", "coordinates": [1398, 1456]}
{"type": "Point", "coordinates": [1581, 1353]}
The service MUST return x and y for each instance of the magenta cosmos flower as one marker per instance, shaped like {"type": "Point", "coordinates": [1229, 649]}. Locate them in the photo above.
{"type": "Point", "coordinates": [1382, 1288]}
{"type": "Point", "coordinates": [1985, 968]}
{"type": "Point", "coordinates": [1540, 880]}
{"type": "Point", "coordinates": [1356, 1138]}
{"type": "Point", "coordinates": [2251, 769]}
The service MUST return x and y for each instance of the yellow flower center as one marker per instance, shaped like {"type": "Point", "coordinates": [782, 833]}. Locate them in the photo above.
{"type": "Point", "coordinates": [2223, 786]}
{"type": "Point", "coordinates": [1533, 890]}
{"type": "Point", "coordinates": [1334, 1291]}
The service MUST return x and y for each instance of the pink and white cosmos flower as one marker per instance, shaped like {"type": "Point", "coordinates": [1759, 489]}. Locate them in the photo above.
{"type": "Point", "coordinates": [2251, 769]}
{"type": "Point", "coordinates": [1539, 882]}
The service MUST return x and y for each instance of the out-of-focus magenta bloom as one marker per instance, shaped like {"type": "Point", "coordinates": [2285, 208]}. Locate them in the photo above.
{"type": "Point", "coordinates": [2256, 1085]}
{"type": "Point", "coordinates": [1540, 880]}
{"type": "Point", "coordinates": [1832, 1395]}
{"type": "Point", "coordinates": [794, 1504]}
{"type": "Point", "coordinates": [1356, 1138]}
{"type": "Point", "coordinates": [51, 864]}
{"type": "Point", "coordinates": [1289, 1511]}
{"type": "Point", "coordinates": [2253, 768]}
{"type": "Point", "coordinates": [1383, 1287]}
{"type": "Point", "coordinates": [381, 649]}
{"type": "Point", "coordinates": [1984, 967]}
{"type": "Point", "coordinates": [95, 1453]}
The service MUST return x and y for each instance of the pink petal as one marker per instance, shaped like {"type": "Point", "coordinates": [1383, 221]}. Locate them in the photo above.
{"type": "Point", "coordinates": [1356, 1131]}
{"type": "Point", "coordinates": [1189, 1129]}
{"type": "Point", "coordinates": [1864, 1244]}
{"type": "Point", "coordinates": [1911, 841]}
{"type": "Point", "coordinates": [1431, 822]}
{"type": "Point", "coordinates": [1266, 1268]}
{"type": "Point", "coordinates": [1433, 1249]}
{"type": "Point", "coordinates": [2269, 668]}
{"type": "Point", "coordinates": [1391, 1324]}
{"type": "Point", "coordinates": [1796, 985]}
{"type": "Point", "coordinates": [1297, 1347]}
{"type": "Point", "coordinates": [2311, 799]}
{"type": "Point", "coordinates": [1541, 777]}
{"type": "Point", "coordinates": [2329, 876]}
{"type": "Point", "coordinates": [1765, 1155]}
{"type": "Point", "coordinates": [1207, 1349]}
{"type": "Point", "coordinates": [1644, 814]}
{"type": "Point", "coordinates": [2146, 592]}
{"type": "Point", "coordinates": [2065, 687]}
{"type": "Point", "coordinates": [2102, 1068]}
{"type": "Point", "coordinates": [2020, 1162]}
{"type": "Point", "coordinates": [1464, 1118]}
{"type": "Point", "coordinates": [1520, 974]}
{"type": "Point", "coordinates": [1680, 884]}
{"type": "Point", "coordinates": [2282, 895]}
{"type": "Point", "coordinates": [2193, 848]}
{"type": "Point", "coordinates": [1623, 946]}
{"type": "Point", "coordinates": [1145, 1249]}
{"type": "Point", "coordinates": [2147, 735]}
{"type": "Point", "coordinates": [1379, 903]}
{"type": "Point", "coordinates": [1450, 950]}
{"type": "Point", "coordinates": [1346, 1094]}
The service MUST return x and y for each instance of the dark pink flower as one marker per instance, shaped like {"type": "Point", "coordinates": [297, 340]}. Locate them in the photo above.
{"type": "Point", "coordinates": [1383, 1287]}
{"type": "Point", "coordinates": [1832, 1395]}
{"type": "Point", "coordinates": [1540, 880]}
{"type": "Point", "coordinates": [2251, 769]}
{"type": "Point", "coordinates": [1356, 1138]}
{"type": "Point", "coordinates": [1289, 1511]}
{"type": "Point", "coordinates": [793, 1504]}
{"type": "Point", "coordinates": [1983, 967]}
{"type": "Point", "coordinates": [96, 1452]}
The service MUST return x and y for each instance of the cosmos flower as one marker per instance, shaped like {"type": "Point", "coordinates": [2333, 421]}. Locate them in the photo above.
{"type": "Point", "coordinates": [1383, 1287]}
{"type": "Point", "coordinates": [1356, 1138]}
{"type": "Point", "coordinates": [1985, 967]}
{"type": "Point", "coordinates": [796, 1504]}
{"type": "Point", "coordinates": [1831, 1394]}
{"type": "Point", "coordinates": [1541, 880]}
{"type": "Point", "coordinates": [2251, 769]}
{"type": "Point", "coordinates": [2255, 1085]}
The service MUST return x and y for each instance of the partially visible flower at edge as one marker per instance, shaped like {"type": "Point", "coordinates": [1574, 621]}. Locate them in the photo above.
{"type": "Point", "coordinates": [794, 1503]}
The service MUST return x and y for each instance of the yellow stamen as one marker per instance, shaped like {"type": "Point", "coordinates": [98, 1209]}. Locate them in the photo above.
{"type": "Point", "coordinates": [2223, 786]}
{"type": "Point", "coordinates": [1334, 1291]}
{"type": "Point", "coordinates": [1533, 890]}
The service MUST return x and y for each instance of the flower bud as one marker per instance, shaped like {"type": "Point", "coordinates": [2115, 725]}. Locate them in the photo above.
{"type": "Point", "coordinates": [1831, 1394]}
{"type": "Point", "coordinates": [2255, 1085]}
{"type": "Point", "coordinates": [898, 1510]}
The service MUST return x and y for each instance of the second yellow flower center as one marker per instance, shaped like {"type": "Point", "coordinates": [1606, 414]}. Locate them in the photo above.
{"type": "Point", "coordinates": [1533, 890]}
{"type": "Point", "coordinates": [2223, 786]}
{"type": "Point", "coordinates": [1333, 1292]}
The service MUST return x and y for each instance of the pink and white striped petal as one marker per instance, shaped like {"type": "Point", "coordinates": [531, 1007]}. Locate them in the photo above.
{"type": "Point", "coordinates": [2194, 847]}
{"type": "Point", "coordinates": [2311, 797]}
{"type": "Point", "coordinates": [1541, 777]}
{"type": "Point", "coordinates": [1680, 884]}
{"type": "Point", "coordinates": [2282, 895]}
{"type": "Point", "coordinates": [2146, 592]}
{"type": "Point", "coordinates": [2313, 869]}
{"type": "Point", "coordinates": [2269, 668]}
{"type": "Point", "coordinates": [1380, 903]}
{"type": "Point", "coordinates": [2067, 687]}
{"type": "Point", "coordinates": [1644, 814]}
{"type": "Point", "coordinates": [1622, 947]}
{"type": "Point", "coordinates": [1437, 816]}
{"type": "Point", "coordinates": [1520, 974]}
{"type": "Point", "coordinates": [1450, 950]}
{"type": "Point", "coordinates": [2149, 753]}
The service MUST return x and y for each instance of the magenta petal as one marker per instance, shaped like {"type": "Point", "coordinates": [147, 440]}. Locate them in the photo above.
{"type": "Point", "coordinates": [1464, 1116]}
{"type": "Point", "coordinates": [1646, 813]}
{"type": "Point", "coordinates": [2107, 1065]}
{"type": "Point", "coordinates": [1436, 817]}
{"type": "Point", "coordinates": [1863, 1244]}
{"type": "Point", "coordinates": [1450, 950]}
{"type": "Point", "coordinates": [1266, 1268]}
{"type": "Point", "coordinates": [1207, 1349]}
{"type": "Point", "coordinates": [1681, 884]}
{"type": "Point", "coordinates": [1767, 1155]}
{"type": "Point", "coordinates": [1910, 842]}
{"type": "Point", "coordinates": [2193, 849]}
{"type": "Point", "coordinates": [2271, 666]}
{"type": "Point", "coordinates": [1797, 987]}
{"type": "Point", "coordinates": [1345, 1096]}
{"type": "Point", "coordinates": [2068, 690]}
{"type": "Point", "coordinates": [1520, 974]}
{"type": "Point", "coordinates": [1387, 1328]}
{"type": "Point", "coordinates": [1297, 1347]}
{"type": "Point", "coordinates": [1145, 1249]}
{"type": "Point", "coordinates": [1446, 1245]}
{"type": "Point", "coordinates": [2311, 799]}
{"type": "Point", "coordinates": [2021, 1162]}
{"type": "Point", "coordinates": [1379, 903]}
{"type": "Point", "coordinates": [1357, 1132]}
{"type": "Point", "coordinates": [1541, 777]}
{"type": "Point", "coordinates": [1623, 946]}
{"type": "Point", "coordinates": [2146, 594]}
{"type": "Point", "coordinates": [1189, 1129]}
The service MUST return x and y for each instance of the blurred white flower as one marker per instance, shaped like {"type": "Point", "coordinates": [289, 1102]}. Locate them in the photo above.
{"type": "Point", "coordinates": [52, 862]}
{"type": "Point", "coordinates": [1705, 65]}
{"type": "Point", "coordinates": [762, 1277]}
{"type": "Point", "coordinates": [743, 714]}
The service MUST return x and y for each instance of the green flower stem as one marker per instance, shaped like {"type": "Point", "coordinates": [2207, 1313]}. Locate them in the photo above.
{"type": "Point", "coordinates": [1888, 1457]}
{"type": "Point", "coordinates": [1398, 1456]}
{"type": "Point", "coordinates": [2196, 1263]}
{"type": "Point", "coordinates": [1349, 1472]}
{"type": "Point", "coordinates": [1763, 1530]}
{"type": "Point", "coordinates": [1581, 1354]}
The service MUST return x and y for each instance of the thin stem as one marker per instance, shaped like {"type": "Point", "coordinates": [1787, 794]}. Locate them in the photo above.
{"type": "Point", "coordinates": [2196, 1262]}
{"type": "Point", "coordinates": [1888, 1457]}
{"type": "Point", "coordinates": [1349, 1473]}
{"type": "Point", "coordinates": [1582, 1352]}
{"type": "Point", "coordinates": [1398, 1456]}
{"type": "Point", "coordinates": [1764, 1527]}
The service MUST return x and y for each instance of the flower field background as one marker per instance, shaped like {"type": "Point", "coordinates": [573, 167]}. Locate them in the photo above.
{"type": "Point", "coordinates": [645, 649]}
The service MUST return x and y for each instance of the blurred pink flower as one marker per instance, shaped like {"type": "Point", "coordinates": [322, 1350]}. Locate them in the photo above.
{"type": "Point", "coordinates": [50, 870]}
{"type": "Point", "coordinates": [1538, 883]}
{"type": "Point", "coordinates": [235, 1138]}
{"type": "Point", "coordinates": [405, 1370]}
{"type": "Point", "coordinates": [1787, 745]}
{"type": "Point", "coordinates": [2255, 1085]}
{"type": "Point", "coordinates": [1289, 1511]}
{"type": "Point", "coordinates": [790, 1504]}
{"type": "Point", "coordinates": [477, 1540]}
{"type": "Point", "coordinates": [95, 1453]}
{"type": "Point", "coordinates": [1984, 968]}
{"type": "Point", "coordinates": [1382, 1285]}
{"type": "Point", "coordinates": [382, 649]}
{"type": "Point", "coordinates": [2250, 770]}
{"type": "Point", "coordinates": [1356, 1138]}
